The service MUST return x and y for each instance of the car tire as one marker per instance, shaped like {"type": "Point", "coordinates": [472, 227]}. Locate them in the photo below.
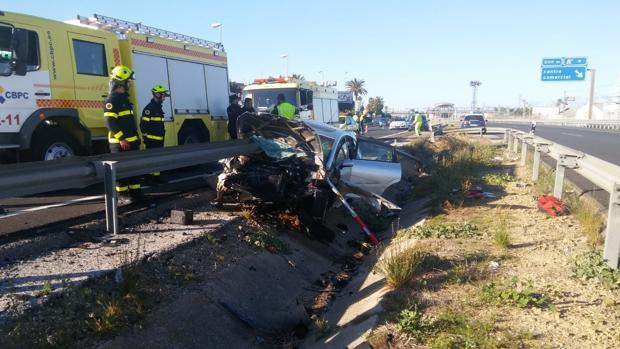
{"type": "Point", "coordinates": [52, 143]}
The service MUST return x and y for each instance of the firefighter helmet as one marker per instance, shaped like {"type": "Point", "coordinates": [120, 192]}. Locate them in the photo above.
{"type": "Point", "coordinates": [121, 73]}
{"type": "Point", "coordinates": [160, 89]}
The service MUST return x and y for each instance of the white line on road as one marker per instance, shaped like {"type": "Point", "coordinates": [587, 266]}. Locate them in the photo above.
{"type": "Point", "coordinates": [395, 134]}
{"type": "Point", "coordinates": [45, 207]}
{"type": "Point", "coordinates": [88, 198]}
{"type": "Point", "coordinates": [571, 134]}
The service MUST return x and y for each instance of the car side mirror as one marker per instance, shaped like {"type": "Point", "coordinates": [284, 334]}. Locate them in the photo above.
{"type": "Point", "coordinates": [20, 46]}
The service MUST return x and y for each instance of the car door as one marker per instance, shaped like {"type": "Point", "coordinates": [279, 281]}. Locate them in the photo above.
{"type": "Point", "coordinates": [373, 166]}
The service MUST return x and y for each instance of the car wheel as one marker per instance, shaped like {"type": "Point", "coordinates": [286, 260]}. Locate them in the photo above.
{"type": "Point", "coordinates": [191, 137]}
{"type": "Point", "coordinates": [53, 143]}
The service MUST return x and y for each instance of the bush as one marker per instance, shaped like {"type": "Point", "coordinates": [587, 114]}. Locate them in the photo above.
{"type": "Point", "coordinates": [412, 322]}
{"type": "Point", "coordinates": [591, 265]}
{"type": "Point", "coordinates": [400, 263]}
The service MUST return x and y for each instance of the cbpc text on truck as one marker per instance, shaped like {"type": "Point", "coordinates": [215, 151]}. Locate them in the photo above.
{"type": "Point", "coordinates": [54, 77]}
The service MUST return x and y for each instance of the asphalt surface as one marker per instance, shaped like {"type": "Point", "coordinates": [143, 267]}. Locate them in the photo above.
{"type": "Point", "coordinates": [599, 143]}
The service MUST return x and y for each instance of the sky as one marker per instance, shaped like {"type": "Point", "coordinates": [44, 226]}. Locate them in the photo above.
{"type": "Point", "coordinates": [412, 53]}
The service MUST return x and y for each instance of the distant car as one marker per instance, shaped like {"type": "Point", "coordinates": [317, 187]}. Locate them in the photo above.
{"type": "Point", "coordinates": [398, 124]}
{"type": "Point", "coordinates": [474, 120]}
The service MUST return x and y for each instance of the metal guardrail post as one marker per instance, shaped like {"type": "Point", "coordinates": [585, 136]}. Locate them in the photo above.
{"type": "Point", "coordinates": [111, 204]}
{"type": "Point", "coordinates": [523, 152]}
{"type": "Point", "coordinates": [565, 161]}
{"type": "Point", "coordinates": [611, 252]}
{"type": "Point", "coordinates": [506, 136]}
{"type": "Point", "coordinates": [538, 148]}
{"type": "Point", "coordinates": [481, 132]}
{"type": "Point", "coordinates": [515, 145]}
{"type": "Point", "coordinates": [508, 139]}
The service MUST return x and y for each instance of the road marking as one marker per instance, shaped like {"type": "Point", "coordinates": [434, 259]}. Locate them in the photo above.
{"type": "Point", "coordinates": [45, 207]}
{"type": "Point", "coordinates": [89, 198]}
{"type": "Point", "coordinates": [571, 134]}
{"type": "Point", "coordinates": [395, 134]}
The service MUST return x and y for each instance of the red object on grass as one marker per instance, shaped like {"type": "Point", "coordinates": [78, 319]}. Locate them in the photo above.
{"type": "Point", "coordinates": [552, 205]}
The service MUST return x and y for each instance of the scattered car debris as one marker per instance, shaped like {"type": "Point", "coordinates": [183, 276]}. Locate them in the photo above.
{"type": "Point", "coordinates": [552, 205]}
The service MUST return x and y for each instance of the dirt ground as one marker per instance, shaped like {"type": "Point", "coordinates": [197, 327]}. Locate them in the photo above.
{"type": "Point", "coordinates": [578, 313]}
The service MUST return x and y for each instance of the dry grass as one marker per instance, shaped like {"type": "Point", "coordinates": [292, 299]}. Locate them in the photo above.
{"type": "Point", "coordinates": [400, 263]}
{"type": "Point", "coordinates": [591, 221]}
{"type": "Point", "coordinates": [501, 233]}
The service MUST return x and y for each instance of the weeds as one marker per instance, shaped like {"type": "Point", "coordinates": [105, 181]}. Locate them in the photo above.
{"type": "Point", "coordinates": [400, 264]}
{"type": "Point", "coordinates": [323, 327]}
{"type": "Point", "coordinates": [413, 323]}
{"type": "Point", "coordinates": [501, 235]}
{"type": "Point", "coordinates": [591, 265]}
{"type": "Point", "coordinates": [498, 179]}
{"type": "Point", "coordinates": [268, 240]}
{"type": "Point", "coordinates": [443, 231]}
{"type": "Point", "coordinates": [517, 293]}
{"type": "Point", "coordinates": [46, 290]}
{"type": "Point", "coordinates": [591, 221]}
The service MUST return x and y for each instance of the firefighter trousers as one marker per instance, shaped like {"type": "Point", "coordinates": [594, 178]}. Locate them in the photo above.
{"type": "Point", "coordinates": [126, 186]}
{"type": "Point", "coordinates": [150, 144]}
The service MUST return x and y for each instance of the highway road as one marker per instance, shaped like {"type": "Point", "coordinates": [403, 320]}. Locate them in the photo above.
{"type": "Point", "coordinates": [602, 144]}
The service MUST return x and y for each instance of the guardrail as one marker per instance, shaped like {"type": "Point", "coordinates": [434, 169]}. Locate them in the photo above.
{"type": "Point", "coordinates": [602, 173]}
{"type": "Point", "coordinates": [595, 124]}
{"type": "Point", "coordinates": [79, 172]}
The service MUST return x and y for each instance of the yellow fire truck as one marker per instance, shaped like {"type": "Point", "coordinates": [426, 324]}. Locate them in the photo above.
{"type": "Point", "coordinates": [54, 77]}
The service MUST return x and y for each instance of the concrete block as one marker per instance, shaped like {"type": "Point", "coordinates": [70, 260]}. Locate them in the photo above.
{"type": "Point", "coordinates": [183, 217]}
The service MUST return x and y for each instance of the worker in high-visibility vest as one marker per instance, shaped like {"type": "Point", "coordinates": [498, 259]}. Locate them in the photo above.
{"type": "Point", "coordinates": [122, 128]}
{"type": "Point", "coordinates": [284, 108]}
{"type": "Point", "coordinates": [418, 124]}
{"type": "Point", "coordinates": [152, 126]}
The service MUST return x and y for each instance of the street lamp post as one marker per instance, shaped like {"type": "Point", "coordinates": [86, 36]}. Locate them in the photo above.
{"type": "Point", "coordinates": [322, 77]}
{"type": "Point", "coordinates": [474, 84]}
{"type": "Point", "coordinates": [218, 25]}
{"type": "Point", "coordinates": [285, 57]}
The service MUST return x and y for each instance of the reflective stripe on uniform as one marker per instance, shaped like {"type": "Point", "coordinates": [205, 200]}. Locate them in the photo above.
{"type": "Point", "coordinates": [125, 188]}
{"type": "Point", "coordinates": [155, 173]}
{"type": "Point", "coordinates": [157, 138]}
{"type": "Point", "coordinates": [146, 118]}
{"type": "Point", "coordinates": [118, 134]}
{"type": "Point", "coordinates": [125, 112]}
{"type": "Point", "coordinates": [157, 118]}
{"type": "Point", "coordinates": [131, 139]}
{"type": "Point", "coordinates": [134, 186]}
{"type": "Point", "coordinates": [110, 114]}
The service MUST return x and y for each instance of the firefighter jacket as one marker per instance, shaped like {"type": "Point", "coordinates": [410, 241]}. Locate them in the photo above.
{"type": "Point", "coordinates": [152, 121]}
{"type": "Point", "coordinates": [119, 118]}
{"type": "Point", "coordinates": [285, 110]}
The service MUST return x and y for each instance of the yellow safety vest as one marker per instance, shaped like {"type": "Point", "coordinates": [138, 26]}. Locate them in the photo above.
{"type": "Point", "coordinates": [286, 110]}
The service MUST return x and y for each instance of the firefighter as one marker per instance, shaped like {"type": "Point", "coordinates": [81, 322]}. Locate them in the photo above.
{"type": "Point", "coordinates": [418, 124]}
{"type": "Point", "coordinates": [233, 111]}
{"type": "Point", "coordinates": [284, 108]}
{"type": "Point", "coordinates": [122, 129]}
{"type": "Point", "coordinates": [152, 126]}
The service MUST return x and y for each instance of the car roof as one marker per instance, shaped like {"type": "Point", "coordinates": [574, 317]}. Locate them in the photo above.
{"type": "Point", "coordinates": [323, 129]}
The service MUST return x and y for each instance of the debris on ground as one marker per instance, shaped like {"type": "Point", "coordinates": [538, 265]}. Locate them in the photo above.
{"type": "Point", "coordinates": [552, 205]}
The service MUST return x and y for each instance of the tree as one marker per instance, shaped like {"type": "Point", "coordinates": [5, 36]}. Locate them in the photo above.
{"type": "Point", "coordinates": [375, 105]}
{"type": "Point", "coordinates": [298, 77]}
{"type": "Point", "coordinates": [357, 87]}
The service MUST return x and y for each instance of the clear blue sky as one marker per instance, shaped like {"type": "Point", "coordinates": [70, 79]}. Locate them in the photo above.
{"type": "Point", "coordinates": [412, 53]}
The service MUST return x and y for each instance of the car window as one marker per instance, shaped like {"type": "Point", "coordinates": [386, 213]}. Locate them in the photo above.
{"type": "Point", "coordinates": [344, 150]}
{"type": "Point", "coordinates": [474, 117]}
{"type": "Point", "coordinates": [374, 152]}
{"type": "Point", "coordinates": [90, 58]}
{"type": "Point", "coordinates": [326, 145]}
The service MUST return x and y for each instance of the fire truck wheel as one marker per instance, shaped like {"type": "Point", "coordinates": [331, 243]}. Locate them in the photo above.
{"type": "Point", "coordinates": [53, 143]}
{"type": "Point", "coordinates": [191, 137]}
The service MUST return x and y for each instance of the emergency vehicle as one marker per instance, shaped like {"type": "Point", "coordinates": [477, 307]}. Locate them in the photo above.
{"type": "Point", "coordinates": [54, 77]}
{"type": "Point", "coordinates": [313, 101]}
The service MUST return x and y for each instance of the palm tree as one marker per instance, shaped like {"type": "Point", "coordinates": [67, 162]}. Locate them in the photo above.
{"type": "Point", "coordinates": [357, 87]}
{"type": "Point", "coordinates": [298, 77]}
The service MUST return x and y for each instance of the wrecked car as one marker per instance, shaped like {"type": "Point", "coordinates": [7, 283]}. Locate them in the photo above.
{"type": "Point", "coordinates": [298, 161]}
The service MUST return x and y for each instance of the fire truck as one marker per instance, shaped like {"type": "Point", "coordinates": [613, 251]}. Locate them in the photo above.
{"type": "Point", "coordinates": [313, 101]}
{"type": "Point", "coordinates": [54, 78]}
